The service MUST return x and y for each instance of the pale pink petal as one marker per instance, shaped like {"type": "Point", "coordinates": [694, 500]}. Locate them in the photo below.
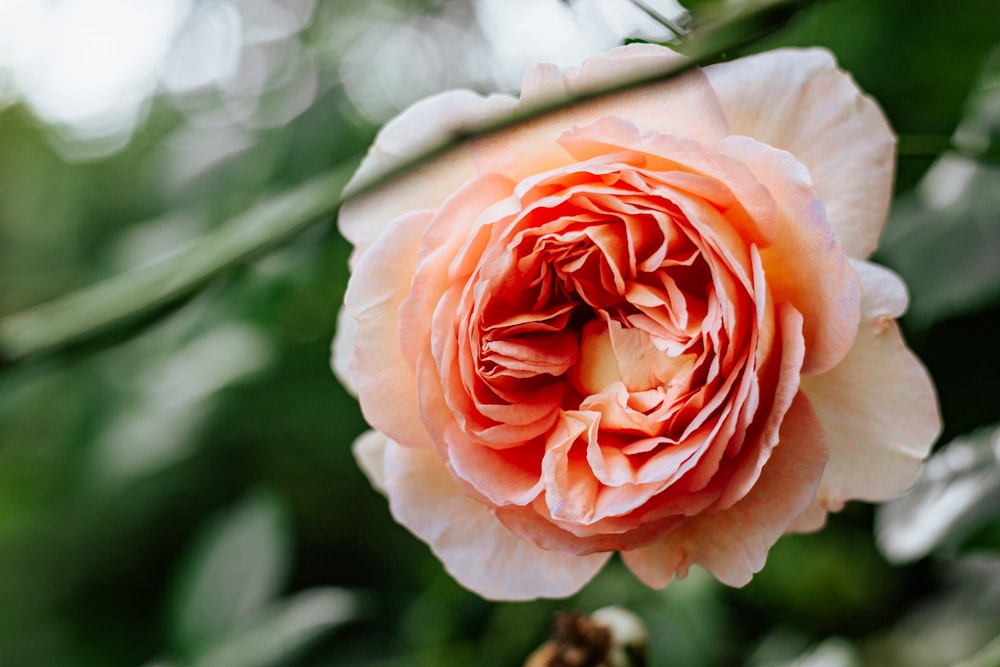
{"type": "Point", "coordinates": [342, 349]}
{"type": "Point", "coordinates": [878, 406]}
{"type": "Point", "coordinates": [805, 264]}
{"type": "Point", "coordinates": [684, 105]}
{"type": "Point", "coordinates": [465, 535]}
{"type": "Point", "coordinates": [417, 129]}
{"type": "Point", "coordinates": [369, 452]}
{"type": "Point", "coordinates": [384, 381]}
{"type": "Point", "coordinates": [452, 225]}
{"type": "Point", "coordinates": [733, 544]}
{"type": "Point", "coordinates": [799, 101]}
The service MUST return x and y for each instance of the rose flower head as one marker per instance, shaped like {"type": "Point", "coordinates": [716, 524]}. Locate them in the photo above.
{"type": "Point", "coordinates": [644, 324]}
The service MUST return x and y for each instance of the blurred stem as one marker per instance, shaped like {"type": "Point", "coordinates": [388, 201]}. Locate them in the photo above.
{"type": "Point", "coordinates": [137, 296]}
{"type": "Point", "coordinates": [74, 318]}
{"type": "Point", "coordinates": [679, 30]}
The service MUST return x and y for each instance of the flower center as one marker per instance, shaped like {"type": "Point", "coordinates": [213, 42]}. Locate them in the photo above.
{"type": "Point", "coordinates": [607, 304]}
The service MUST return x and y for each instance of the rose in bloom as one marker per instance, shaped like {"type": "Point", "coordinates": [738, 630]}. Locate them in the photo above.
{"type": "Point", "coordinates": [645, 324]}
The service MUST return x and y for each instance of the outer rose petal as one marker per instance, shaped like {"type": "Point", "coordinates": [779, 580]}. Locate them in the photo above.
{"type": "Point", "coordinates": [798, 101]}
{"type": "Point", "coordinates": [733, 544]}
{"type": "Point", "coordinates": [376, 370]}
{"type": "Point", "coordinates": [416, 129]}
{"type": "Point", "coordinates": [343, 348]}
{"type": "Point", "coordinates": [825, 288]}
{"type": "Point", "coordinates": [878, 406]}
{"type": "Point", "coordinates": [684, 106]}
{"type": "Point", "coordinates": [369, 451]}
{"type": "Point", "coordinates": [475, 548]}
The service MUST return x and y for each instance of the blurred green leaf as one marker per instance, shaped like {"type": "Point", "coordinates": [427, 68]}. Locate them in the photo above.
{"type": "Point", "coordinates": [955, 620]}
{"type": "Point", "coordinates": [944, 240]}
{"type": "Point", "coordinates": [237, 564]}
{"type": "Point", "coordinates": [957, 491]}
{"type": "Point", "coordinates": [283, 630]}
{"type": "Point", "coordinates": [831, 652]}
{"type": "Point", "coordinates": [988, 656]}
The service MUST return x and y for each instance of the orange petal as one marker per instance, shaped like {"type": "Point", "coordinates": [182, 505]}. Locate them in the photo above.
{"type": "Point", "coordinates": [733, 544]}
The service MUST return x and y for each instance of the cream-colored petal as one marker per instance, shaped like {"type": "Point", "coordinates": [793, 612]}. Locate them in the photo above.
{"type": "Point", "coordinates": [464, 534]}
{"type": "Point", "coordinates": [417, 129]}
{"type": "Point", "coordinates": [733, 544]}
{"type": "Point", "coordinates": [685, 106]}
{"type": "Point", "coordinates": [369, 452]}
{"type": "Point", "coordinates": [799, 101]}
{"type": "Point", "coordinates": [878, 406]}
{"type": "Point", "coordinates": [342, 349]}
{"type": "Point", "coordinates": [378, 372]}
{"type": "Point", "coordinates": [805, 264]}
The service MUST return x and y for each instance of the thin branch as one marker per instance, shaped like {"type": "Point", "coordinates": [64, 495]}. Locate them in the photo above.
{"type": "Point", "coordinates": [137, 296]}
{"type": "Point", "coordinates": [76, 317]}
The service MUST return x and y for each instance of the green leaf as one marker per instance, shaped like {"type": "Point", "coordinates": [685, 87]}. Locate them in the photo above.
{"type": "Point", "coordinates": [283, 630]}
{"type": "Point", "coordinates": [987, 656]}
{"type": "Point", "coordinates": [944, 240]}
{"type": "Point", "coordinates": [237, 564]}
{"type": "Point", "coordinates": [958, 490]}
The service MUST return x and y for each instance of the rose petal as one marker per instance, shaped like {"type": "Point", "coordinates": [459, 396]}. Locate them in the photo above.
{"type": "Point", "coordinates": [805, 264]}
{"type": "Point", "coordinates": [683, 105]}
{"type": "Point", "coordinates": [418, 128]}
{"type": "Point", "coordinates": [878, 406]}
{"type": "Point", "coordinates": [342, 349]}
{"type": "Point", "coordinates": [799, 101]}
{"type": "Point", "coordinates": [446, 233]}
{"type": "Point", "coordinates": [369, 452]}
{"type": "Point", "coordinates": [464, 534]}
{"type": "Point", "coordinates": [384, 381]}
{"type": "Point", "coordinates": [733, 544]}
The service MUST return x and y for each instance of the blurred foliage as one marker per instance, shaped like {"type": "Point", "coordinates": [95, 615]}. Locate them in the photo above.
{"type": "Point", "coordinates": [188, 497]}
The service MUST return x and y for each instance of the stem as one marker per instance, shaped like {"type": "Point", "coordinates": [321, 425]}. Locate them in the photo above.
{"type": "Point", "coordinates": [137, 296]}
{"type": "Point", "coordinates": [76, 317]}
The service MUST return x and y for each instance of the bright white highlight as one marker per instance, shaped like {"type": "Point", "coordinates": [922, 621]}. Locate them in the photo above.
{"type": "Point", "coordinates": [90, 64]}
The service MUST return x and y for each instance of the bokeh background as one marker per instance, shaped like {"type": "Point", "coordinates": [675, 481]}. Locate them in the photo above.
{"type": "Point", "coordinates": [187, 496]}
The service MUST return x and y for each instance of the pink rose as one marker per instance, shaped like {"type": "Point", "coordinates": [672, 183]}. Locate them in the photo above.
{"type": "Point", "coordinates": [645, 324]}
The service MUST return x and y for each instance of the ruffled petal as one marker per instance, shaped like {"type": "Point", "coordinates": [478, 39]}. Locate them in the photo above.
{"type": "Point", "coordinates": [878, 406]}
{"type": "Point", "coordinates": [805, 264]}
{"type": "Point", "coordinates": [476, 549]}
{"type": "Point", "coordinates": [384, 381]}
{"type": "Point", "coordinates": [799, 101]}
{"type": "Point", "coordinates": [733, 544]}
{"type": "Point", "coordinates": [685, 106]}
{"type": "Point", "coordinates": [418, 128]}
